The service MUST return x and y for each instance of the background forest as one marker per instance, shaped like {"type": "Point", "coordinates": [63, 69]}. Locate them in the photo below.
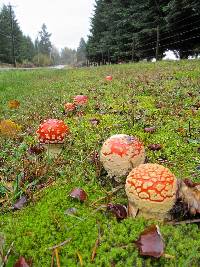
{"type": "Point", "coordinates": [121, 31]}
{"type": "Point", "coordinates": [17, 48]}
{"type": "Point", "coordinates": [133, 30]}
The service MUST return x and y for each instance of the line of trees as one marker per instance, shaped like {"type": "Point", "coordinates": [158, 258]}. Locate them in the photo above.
{"type": "Point", "coordinates": [17, 48]}
{"type": "Point", "coordinates": [133, 30]}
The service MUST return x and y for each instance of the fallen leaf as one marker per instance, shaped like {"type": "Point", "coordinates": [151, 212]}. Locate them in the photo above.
{"type": "Point", "coordinates": [79, 194]}
{"type": "Point", "coordinates": [13, 104]}
{"type": "Point", "coordinates": [120, 211]}
{"type": "Point", "coordinates": [190, 183]}
{"type": "Point", "coordinates": [155, 147]}
{"type": "Point", "coordinates": [20, 203]}
{"type": "Point", "coordinates": [21, 263]}
{"type": "Point", "coordinates": [94, 121]}
{"type": "Point", "coordinates": [150, 129]}
{"type": "Point", "coordinates": [36, 150]}
{"type": "Point", "coordinates": [150, 242]}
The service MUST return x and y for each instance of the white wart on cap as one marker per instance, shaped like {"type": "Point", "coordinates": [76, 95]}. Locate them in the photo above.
{"type": "Point", "coordinates": [120, 153]}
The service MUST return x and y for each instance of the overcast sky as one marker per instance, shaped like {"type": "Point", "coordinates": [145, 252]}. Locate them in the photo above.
{"type": "Point", "coordinates": [67, 20]}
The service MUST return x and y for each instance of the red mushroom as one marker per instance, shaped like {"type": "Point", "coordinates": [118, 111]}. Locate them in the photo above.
{"type": "Point", "coordinates": [69, 108]}
{"type": "Point", "coordinates": [120, 153]}
{"type": "Point", "coordinates": [51, 134]}
{"type": "Point", "coordinates": [81, 100]}
{"type": "Point", "coordinates": [151, 190]}
{"type": "Point", "coordinates": [109, 78]}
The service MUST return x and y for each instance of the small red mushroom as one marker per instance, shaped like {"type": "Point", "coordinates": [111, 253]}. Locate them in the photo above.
{"type": "Point", "coordinates": [151, 191]}
{"type": "Point", "coordinates": [109, 78]}
{"type": "Point", "coordinates": [51, 134]}
{"type": "Point", "coordinates": [120, 153]}
{"type": "Point", "coordinates": [81, 100]}
{"type": "Point", "coordinates": [69, 107]}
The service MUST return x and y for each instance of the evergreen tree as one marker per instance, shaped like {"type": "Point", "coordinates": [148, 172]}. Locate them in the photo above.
{"type": "Point", "coordinates": [44, 42]}
{"type": "Point", "coordinates": [27, 49]}
{"type": "Point", "coordinates": [182, 19]}
{"type": "Point", "coordinates": [10, 36]}
{"type": "Point", "coordinates": [81, 52]}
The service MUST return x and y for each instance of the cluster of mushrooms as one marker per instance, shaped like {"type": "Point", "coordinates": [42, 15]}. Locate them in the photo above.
{"type": "Point", "coordinates": [152, 189]}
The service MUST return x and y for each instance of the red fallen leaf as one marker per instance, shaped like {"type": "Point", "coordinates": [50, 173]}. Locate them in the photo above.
{"type": "Point", "coordinates": [155, 147]}
{"type": "Point", "coordinates": [150, 242]}
{"type": "Point", "coordinates": [190, 183]}
{"type": "Point", "coordinates": [36, 150]}
{"type": "Point", "coordinates": [95, 121]}
{"type": "Point", "coordinates": [20, 203]}
{"type": "Point", "coordinates": [21, 263]}
{"type": "Point", "coordinates": [120, 211]}
{"type": "Point", "coordinates": [79, 194]}
{"type": "Point", "coordinates": [150, 129]}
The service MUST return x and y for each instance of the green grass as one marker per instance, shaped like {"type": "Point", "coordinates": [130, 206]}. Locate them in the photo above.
{"type": "Point", "coordinates": [165, 95]}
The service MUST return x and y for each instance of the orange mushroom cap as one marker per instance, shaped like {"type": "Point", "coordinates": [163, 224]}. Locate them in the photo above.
{"type": "Point", "coordinates": [80, 100]}
{"type": "Point", "coordinates": [109, 78]}
{"type": "Point", "coordinates": [120, 153]}
{"type": "Point", "coordinates": [69, 106]}
{"type": "Point", "coordinates": [151, 186]}
{"type": "Point", "coordinates": [52, 131]}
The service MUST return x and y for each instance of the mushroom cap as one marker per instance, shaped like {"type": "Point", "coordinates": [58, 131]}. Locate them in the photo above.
{"type": "Point", "coordinates": [69, 106]}
{"type": "Point", "coordinates": [80, 100]}
{"type": "Point", "coordinates": [120, 153]}
{"type": "Point", "coordinates": [151, 188]}
{"type": "Point", "coordinates": [52, 131]}
{"type": "Point", "coordinates": [109, 78]}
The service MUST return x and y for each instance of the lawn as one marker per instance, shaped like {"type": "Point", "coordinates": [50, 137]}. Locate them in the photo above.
{"type": "Point", "coordinates": [164, 95]}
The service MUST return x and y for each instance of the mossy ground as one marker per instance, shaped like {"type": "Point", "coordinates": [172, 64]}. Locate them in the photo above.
{"type": "Point", "coordinates": [165, 95]}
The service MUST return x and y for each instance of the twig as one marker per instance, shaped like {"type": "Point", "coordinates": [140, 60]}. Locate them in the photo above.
{"type": "Point", "coordinates": [184, 222]}
{"type": "Point", "coordinates": [94, 251]}
{"type": "Point", "coordinates": [52, 258]}
{"type": "Point", "coordinates": [80, 258]}
{"type": "Point", "coordinates": [57, 257]}
{"type": "Point", "coordinates": [110, 193]}
{"type": "Point", "coordinates": [61, 244]}
{"type": "Point", "coordinates": [97, 243]}
{"type": "Point", "coordinates": [167, 256]}
{"type": "Point", "coordinates": [7, 255]}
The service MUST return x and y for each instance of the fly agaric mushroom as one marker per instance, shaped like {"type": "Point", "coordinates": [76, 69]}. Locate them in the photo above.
{"type": "Point", "coordinates": [109, 78]}
{"type": "Point", "coordinates": [120, 153]}
{"type": "Point", "coordinates": [151, 190]}
{"type": "Point", "coordinates": [69, 108]}
{"type": "Point", "coordinates": [51, 135]}
{"type": "Point", "coordinates": [81, 100]}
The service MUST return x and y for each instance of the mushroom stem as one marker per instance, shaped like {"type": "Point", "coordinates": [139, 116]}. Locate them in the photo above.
{"type": "Point", "coordinates": [53, 150]}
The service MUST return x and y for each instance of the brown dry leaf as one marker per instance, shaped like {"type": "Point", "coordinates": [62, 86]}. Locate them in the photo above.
{"type": "Point", "coordinates": [94, 121]}
{"type": "Point", "coordinates": [150, 129]}
{"type": "Point", "coordinates": [20, 203]}
{"type": "Point", "coordinates": [13, 104]}
{"type": "Point", "coordinates": [36, 150]}
{"type": "Point", "coordinates": [79, 194]}
{"type": "Point", "coordinates": [150, 242]}
{"type": "Point", "coordinates": [9, 128]}
{"type": "Point", "coordinates": [21, 263]}
{"type": "Point", "coordinates": [120, 211]}
{"type": "Point", "coordinates": [155, 147]}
